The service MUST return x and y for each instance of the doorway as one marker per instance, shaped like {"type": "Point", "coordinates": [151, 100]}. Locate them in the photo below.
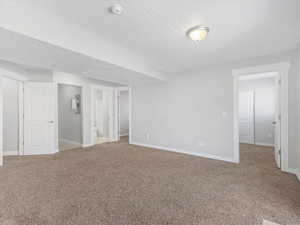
{"type": "Point", "coordinates": [12, 91]}
{"type": "Point", "coordinates": [69, 117]}
{"type": "Point", "coordinates": [124, 114]}
{"type": "Point", "coordinates": [103, 111]}
{"type": "Point", "coordinates": [260, 111]}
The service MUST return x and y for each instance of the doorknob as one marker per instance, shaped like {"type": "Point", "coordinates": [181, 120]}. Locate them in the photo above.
{"type": "Point", "coordinates": [51, 121]}
{"type": "Point", "coordinates": [274, 123]}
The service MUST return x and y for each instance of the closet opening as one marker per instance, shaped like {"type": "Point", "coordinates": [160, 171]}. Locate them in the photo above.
{"type": "Point", "coordinates": [103, 114]}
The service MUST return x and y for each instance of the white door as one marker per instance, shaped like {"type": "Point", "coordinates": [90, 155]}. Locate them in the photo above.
{"type": "Point", "coordinates": [277, 123]}
{"type": "Point", "coordinates": [39, 118]}
{"type": "Point", "coordinates": [246, 117]}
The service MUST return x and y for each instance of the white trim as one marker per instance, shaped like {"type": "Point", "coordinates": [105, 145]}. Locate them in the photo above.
{"type": "Point", "coordinates": [282, 69]}
{"type": "Point", "coordinates": [10, 153]}
{"type": "Point", "coordinates": [117, 115]}
{"type": "Point", "coordinates": [88, 145]}
{"type": "Point", "coordinates": [264, 144]}
{"type": "Point", "coordinates": [293, 171]}
{"type": "Point", "coordinates": [247, 143]}
{"type": "Point", "coordinates": [130, 116]}
{"type": "Point", "coordinates": [21, 118]}
{"type": "Point", "coordinates": [118, 127]}
{"type": "Point", "coordinates": [205, 155]}
{"type": "Point", "coordinates": [298, 174]}
{"type": "Point", "coordinates": [1, 121]}
{"type": "Point", "coordinates": [258, 76]}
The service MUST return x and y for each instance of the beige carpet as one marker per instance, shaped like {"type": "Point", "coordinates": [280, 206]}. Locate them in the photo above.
{"type": "Point", "coordinates": [119, 184]}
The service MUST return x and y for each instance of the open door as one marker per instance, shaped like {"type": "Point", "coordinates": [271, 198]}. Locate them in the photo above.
{"type": "Point", "coordinates": [277, 123]}
{"type": "Point", "coordinates": [39, 118]}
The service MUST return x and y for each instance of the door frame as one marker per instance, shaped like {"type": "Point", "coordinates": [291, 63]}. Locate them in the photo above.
{"type": "Point", "coordinates": [82, 111]}
{"type": "Point", "coordinates": [282, 69]}
{"type": "Point", "coordinates": [113, 113]}
{"type": "Point", "coordinates": [118, 123]}
{"type": "Point", "coordinates": [13, 76]}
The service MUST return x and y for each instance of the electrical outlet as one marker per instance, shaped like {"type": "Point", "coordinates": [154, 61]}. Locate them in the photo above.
{"type": "Point", "coordinates": [201, 143]}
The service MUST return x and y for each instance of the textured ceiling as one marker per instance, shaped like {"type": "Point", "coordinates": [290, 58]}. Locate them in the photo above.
{"type": "Point", "coordinates": [149, 37]}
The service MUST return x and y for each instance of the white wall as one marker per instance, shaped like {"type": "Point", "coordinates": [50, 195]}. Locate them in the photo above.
{"type": "Point", "coordinates": [10, 116]}
{"type": "Point", "coordinates": [264, 108]}
{"type": "Point", "coordinates": [190, 114]}
{"type": "Point", "coordinates": [70, 122]}
{"type": "Point", "coordinates": [297, 63]}
{"type": "Point", "coordinates": [186, 114]}
{"type": "Point", "coordinates": [124, 113]}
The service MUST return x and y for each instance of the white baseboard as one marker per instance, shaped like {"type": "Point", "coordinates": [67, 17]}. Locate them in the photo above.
{"type": "Point", "coordinates": [123, 135]}
{"type": "Point", "coordinates": [293, 171]}
{"type": "Point", "coordinates": [70, 142]}
{"type": "Point", "coordinates": [246, 142]}
{"type": "Point", "coordinates": [10, 153]}
{"type": "Point", "coordinates": [205, 155]}
{"type": "Point", "coordinates": [264, 144]}
{"type": "Point", "coordinates": [87, 145]}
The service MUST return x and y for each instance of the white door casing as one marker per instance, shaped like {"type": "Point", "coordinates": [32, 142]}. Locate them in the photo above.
{"type": "Point", "coordinates": [282, 69]}
{"type": "Point", "coordinates": [246, 117]}
{"type": "Point", "coordinates": [277, 123]}
{"type": "Point", "coordinates": [1, 123]}
{"type": "Point", "coordinates": [39, 118]}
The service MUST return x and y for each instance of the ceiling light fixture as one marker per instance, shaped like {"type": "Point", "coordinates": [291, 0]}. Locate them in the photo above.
{"type": "Point", "coordinates": [116, 9]}
{"type": "Point", "coordinates": [197, 33]}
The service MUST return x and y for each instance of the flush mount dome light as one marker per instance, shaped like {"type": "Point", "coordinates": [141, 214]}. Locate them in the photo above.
{"type": "Point", "coordinates": [197, 33]}
{"type": "Point", "coordinates": [116, 9]}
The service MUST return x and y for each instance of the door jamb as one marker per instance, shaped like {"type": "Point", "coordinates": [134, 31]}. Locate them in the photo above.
{"type": "Point", "coordinates": [118, 127]}
{"type": "Point", "coordinates": [20, 81]}
{"type": "Point", "coordinates": [282, 69]}
{"type": "Point", "coordinates": [100, 87]}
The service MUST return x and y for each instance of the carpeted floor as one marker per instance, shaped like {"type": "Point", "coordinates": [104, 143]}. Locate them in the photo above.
{"type": "Point", "coordinates": [119, 184]}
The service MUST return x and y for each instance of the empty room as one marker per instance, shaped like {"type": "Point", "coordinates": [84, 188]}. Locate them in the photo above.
{"type": "Point", "coordinates": [150, 112]}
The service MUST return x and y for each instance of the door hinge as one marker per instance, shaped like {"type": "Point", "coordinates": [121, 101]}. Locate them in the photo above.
{"type": "Point", "coordinates": [279, 151]}
{"type": "Point", "coordinates": [279, 117]}
{"type": "Point", "coordinates": [279, 81]}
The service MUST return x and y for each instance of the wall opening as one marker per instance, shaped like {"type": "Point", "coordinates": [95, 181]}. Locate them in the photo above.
{"type": "Point", "coordinates": [103, 111]}
{"type": "Point", "coordinates": [69, 117]}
